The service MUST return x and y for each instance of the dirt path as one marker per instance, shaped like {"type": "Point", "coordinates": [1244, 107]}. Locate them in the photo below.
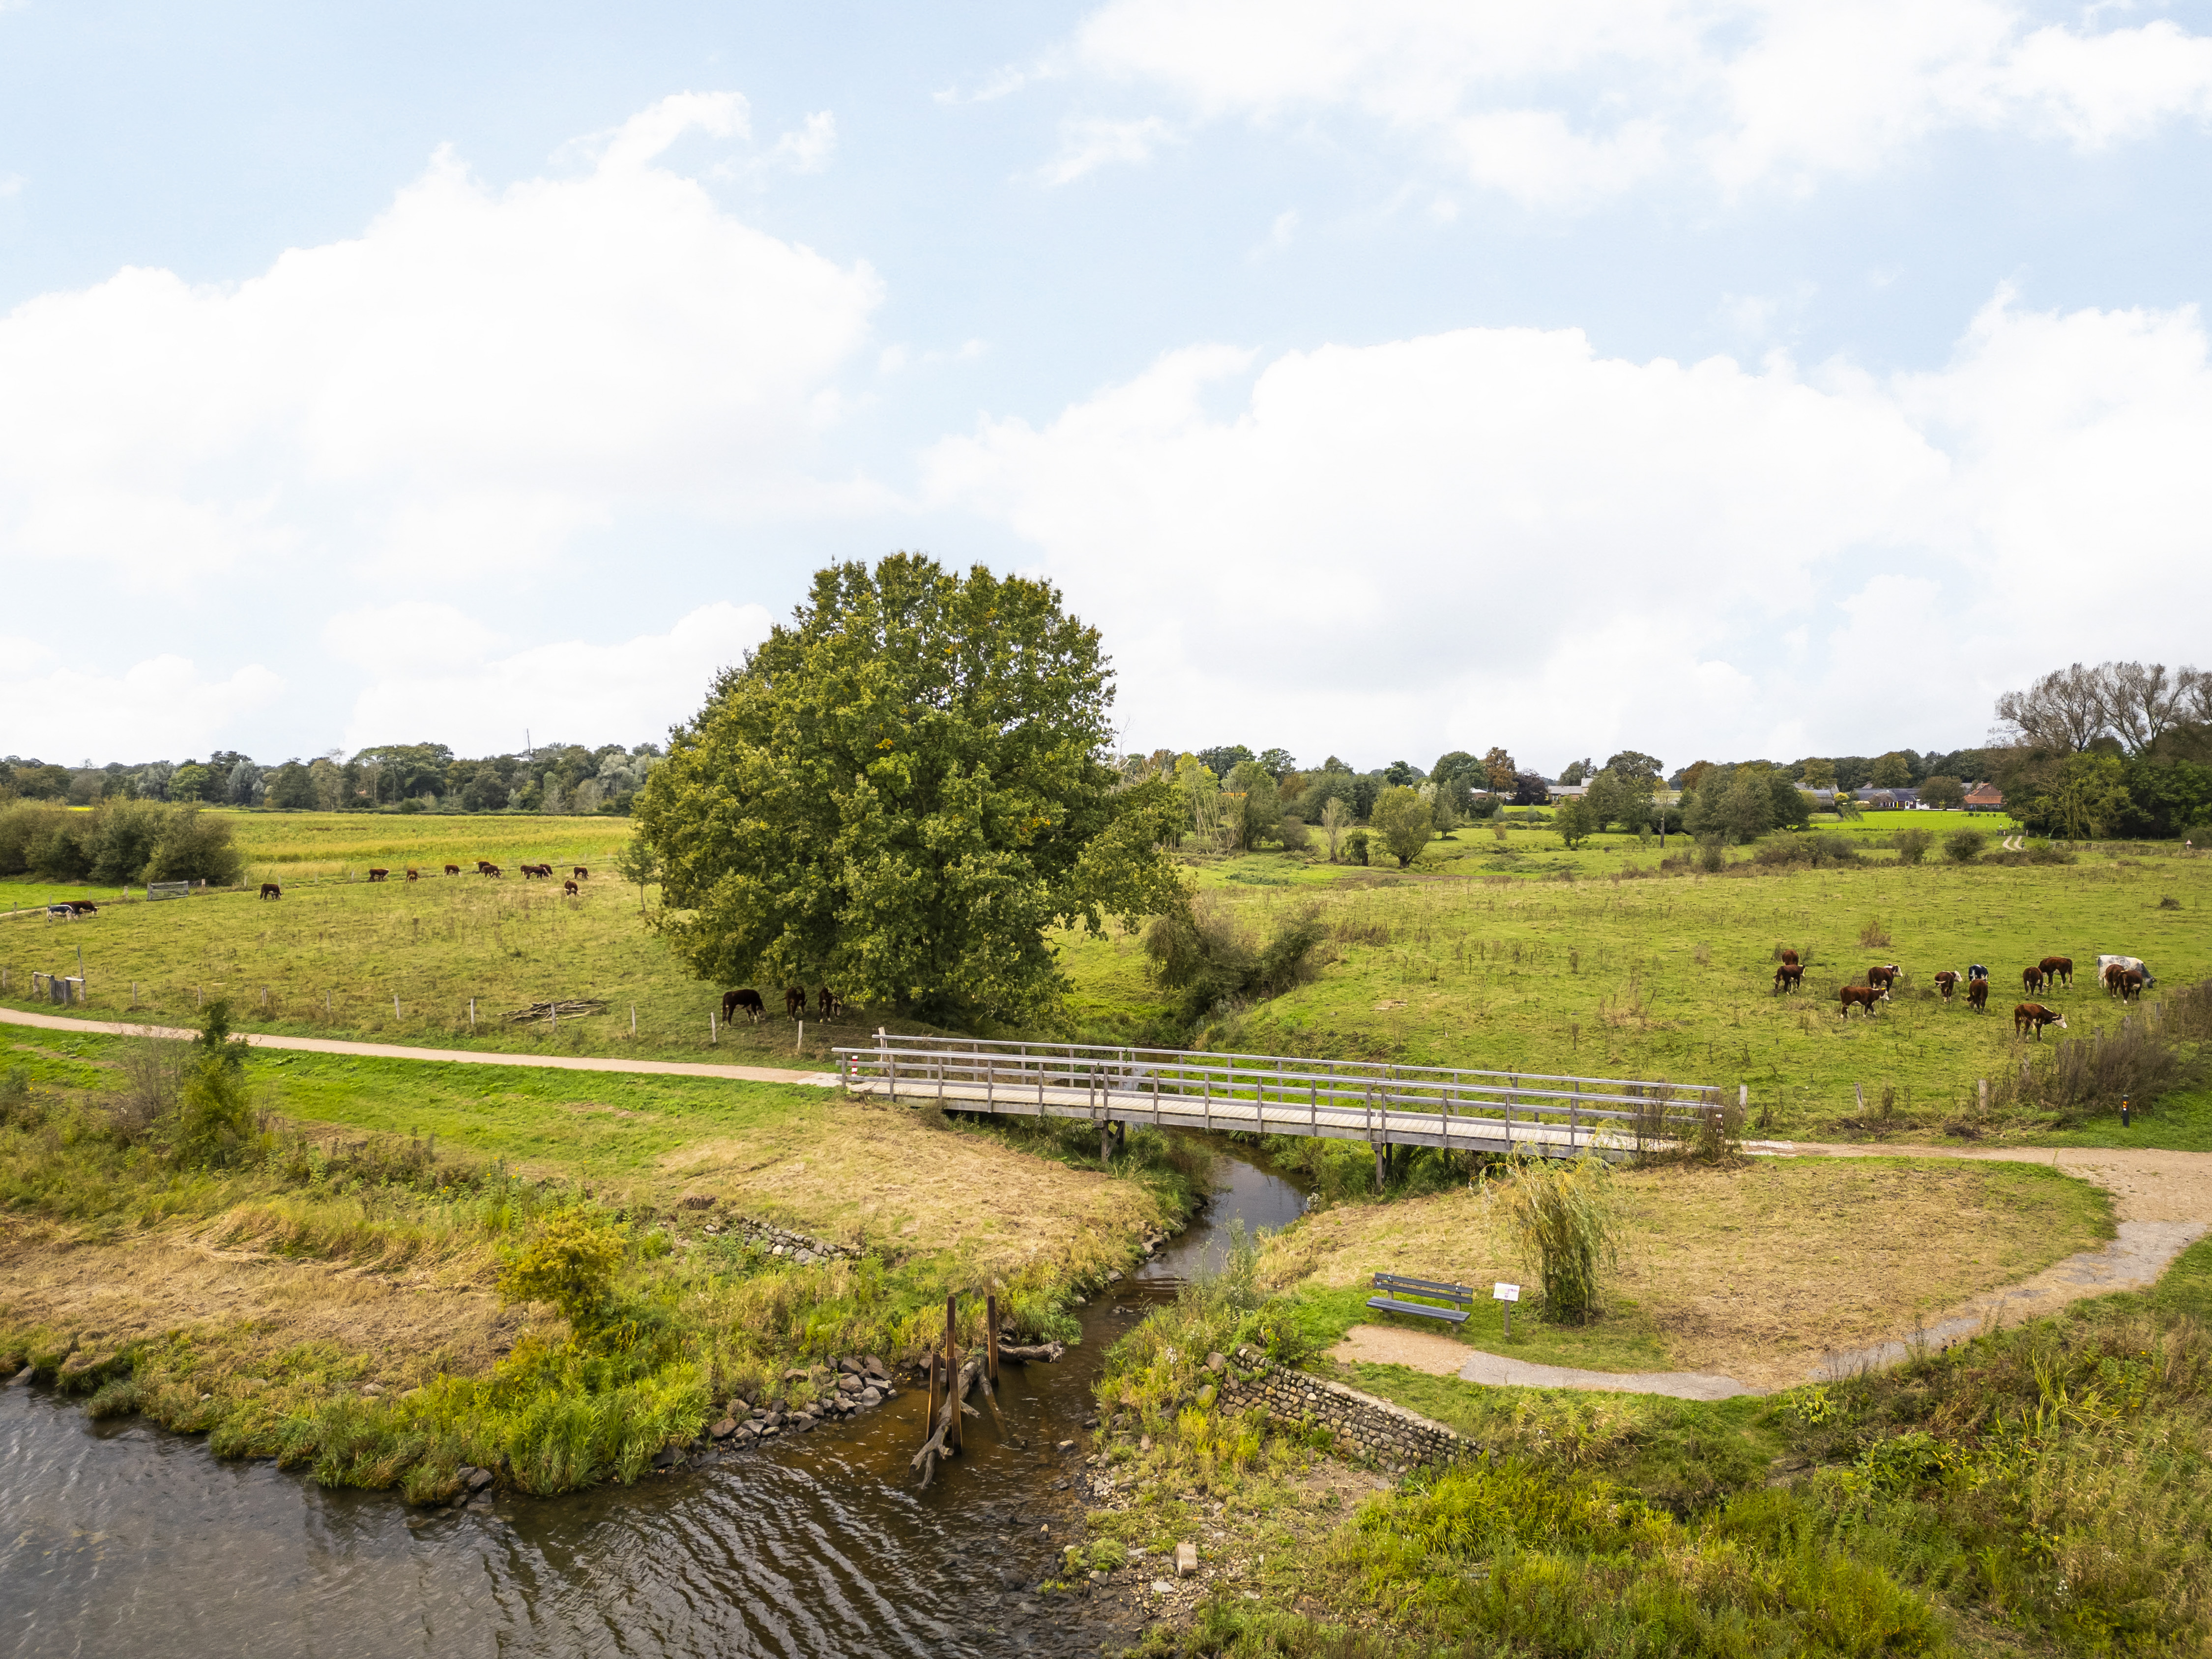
{"type": "Point", "coordinates": [451, 1056]}
{"type": "Point", "coordinates": [2162, 1200]}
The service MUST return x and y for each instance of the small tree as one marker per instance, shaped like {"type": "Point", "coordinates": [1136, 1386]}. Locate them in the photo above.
{"type": "Point", "coordinates": [215, 1121]}
{"type": "Point", "coordinates": [638, 862]}
{"type": "Point", "coordinates": [569, 1261]}
{"type": "Point", "coordinates": [1964, 846]}
{"type": "Point", "coordinates": [1572, 819]}
{"type": "Point", "coordinates": [1562, 1219]}
{"type": "Point", "coordinates": [1943, 790]}
{"type": "Point", "coordinates": [1913, 845]}
{"type": "Point", "coordinates": [1403, 818]}
{"type": "Point", "coordinates": [1335, 814]}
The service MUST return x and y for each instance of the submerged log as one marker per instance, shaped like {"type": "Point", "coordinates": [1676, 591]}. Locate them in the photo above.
{"type": "Point", "coordinates": [1040, 1353]}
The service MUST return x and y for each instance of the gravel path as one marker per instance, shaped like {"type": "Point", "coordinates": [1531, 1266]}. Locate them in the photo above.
{"type": "Point", "coordinates": [451, 1056]}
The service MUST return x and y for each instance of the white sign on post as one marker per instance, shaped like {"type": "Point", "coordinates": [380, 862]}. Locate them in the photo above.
{"type": "Point", "coordinates": [1505, 1292]}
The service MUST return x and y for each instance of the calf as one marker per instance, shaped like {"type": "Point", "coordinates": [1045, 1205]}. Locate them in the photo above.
{"type": "Point", "coordinates": [271, 890]}
{"type": "Point", "coordinates": [1788, 958]}
{"type": "Point", "coordinates": [1883, 977]}
{"type": "Point", "coordinates": [1946, 983]}
{"type": "Point", "coordinates": [2131, 963]}
{"type": "Point", "coordinates": [1858, 996]}
{"type": "Point", "coordinates": [1978, 995]}
{"type": "Point", "coordinates": [484, 866]}
{"type": "Point", "coordinates": [2035, 1015]}
{"type": "Point", "coordinates": [2031, 979]}
{"type": "Point", "coordinates": [452, 869]}
{"type": "Point", "coordinates": [413, 874]}
{"type": "Point", "coordinates": [794, 1001]}
{"type": "Point", "coordinates": [749, 1001]}
{"type": "Point", "coordinates": [2058, 970]}
{"type": "Point", "coordinates": [378, 875]}
{"type": "Point", "coordinates": [1788, 978]}
{"type": "Point", "coordinates": [829, 1005]}
{"type": "Point", "coordinates": [569, 888]}
{"type": "Point", "coordinates": [2126, 983]}
{"type": "Point", "coordinates": [581, 873]}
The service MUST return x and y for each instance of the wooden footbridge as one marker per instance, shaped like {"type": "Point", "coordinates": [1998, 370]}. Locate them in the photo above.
{"type": "Point", "coordinates": [1503, 1113]}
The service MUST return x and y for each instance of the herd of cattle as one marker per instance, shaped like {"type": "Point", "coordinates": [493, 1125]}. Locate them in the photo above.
{"type": "Point", "coordinates": [2123, 977]}
{"type": "Point", "coordinates": [269, 890]}
{"type": "Point", "coordinates": [829, 1004]}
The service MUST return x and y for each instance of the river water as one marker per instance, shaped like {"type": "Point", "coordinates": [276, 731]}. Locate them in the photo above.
{"type": "Point", "coordinates": [120, 1538]}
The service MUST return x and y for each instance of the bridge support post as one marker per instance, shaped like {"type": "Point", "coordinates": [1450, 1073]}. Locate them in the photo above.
{"type": "Point", "coordinates": [1382, 1165]}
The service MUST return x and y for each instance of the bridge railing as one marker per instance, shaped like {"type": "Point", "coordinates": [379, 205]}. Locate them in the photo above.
{"type": "Point", "coordinates": [1120, 1081]}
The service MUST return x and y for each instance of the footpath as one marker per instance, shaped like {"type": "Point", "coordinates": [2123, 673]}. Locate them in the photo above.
{"type": "Point", "coordinates": [445, 1057]}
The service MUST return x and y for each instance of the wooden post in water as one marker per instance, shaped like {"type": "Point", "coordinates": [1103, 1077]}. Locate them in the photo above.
{"type": "Point", "coordinates": [952, 1367]}
{"type": "Point", "coordinates": [991, 1338]}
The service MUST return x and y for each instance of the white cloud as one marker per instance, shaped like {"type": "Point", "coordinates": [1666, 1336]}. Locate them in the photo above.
{"type": "Point", "coordinates": [160, 708]}
{"type": "Point", "coordinates": [1562, 104]}
{"type": "Point", "coordinates": [1500, 535]}
{"type": "Point", "coordinates": [475, 378]}
{"type": "Point", "coordinates": [1088, 145]}
{"type": "Point", "coordinates": [437, 677]}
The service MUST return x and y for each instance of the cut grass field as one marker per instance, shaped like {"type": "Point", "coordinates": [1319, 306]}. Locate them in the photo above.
{"type": "Point", "coordinates": [1752, 1271]}
{"type": "Point", "coordinates": [359, 1247]}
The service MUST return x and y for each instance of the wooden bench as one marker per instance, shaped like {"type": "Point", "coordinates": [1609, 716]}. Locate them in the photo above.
{"type": "Point", "coordinates": [1390, 1303]}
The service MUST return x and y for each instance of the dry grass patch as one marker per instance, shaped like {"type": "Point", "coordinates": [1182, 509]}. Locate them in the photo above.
{"type": "Point", "coordinates": [1753, 1271]}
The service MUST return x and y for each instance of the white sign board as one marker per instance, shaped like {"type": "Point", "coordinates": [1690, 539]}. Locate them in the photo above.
{"type": "Point", "coordinates": [1504, 1292]}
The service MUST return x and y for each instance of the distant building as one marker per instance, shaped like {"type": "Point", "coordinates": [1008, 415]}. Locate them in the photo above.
{"type": "Point", "coordinates": [1985, 798]}
{"type": "Point", "coordinates": [1888, 800]}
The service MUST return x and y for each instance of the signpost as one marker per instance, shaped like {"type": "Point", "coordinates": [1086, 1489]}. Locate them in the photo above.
{"type": "Point", "coordinates": [1506, 1296]}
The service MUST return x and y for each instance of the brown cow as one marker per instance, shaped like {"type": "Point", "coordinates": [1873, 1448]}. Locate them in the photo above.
{"type": "Point", "coordinates": [2126, 982]}
{"type": "Point", "coordinates": [413, 874]}
{"type": "Point", "coordinates": [271, 890]}
{"type": "Point", "coordinates": [794, 1001]}
{"type": "Point", "coordinates": [378, 875]}
{"type": "Point", "coordinates": [581, 873]}
{"type": "Point", "coordinates": [530, 870]}
{"type": "Point", "coordinates": [84, 907]}
{"type": "Point", "coordinates": [2031, 979]}
{"type": "Point", "coordinates": [2036, 1015]}
{"type": "Point", "coordinates": [484, 866]}
{"type": "Point", "coordinates": [1788, 958]}
{"type": "Point", "coordinates": [2059, 970]}
{"type": "Point", "coordinates": [490, 869]}
{"type": "Point", "coordinates": [569, 888]}
{"type": "Point", "coordinates": [452, 869]}
{"type": "Point", "coordinates": [1857, 996]}
{"type": "Point", "coordinates": [1946, 983]}
{"type": "Point", "coordinates": [829, 1005]}
{"type": "Point", "coordinates": [1883, 978]}
{"type": "Point", "coordinates": [1788, 978]}
{"type": "Point", "coordinates": [749, 1001]}
{"type": "Point", "coordinates": [1978, 995]}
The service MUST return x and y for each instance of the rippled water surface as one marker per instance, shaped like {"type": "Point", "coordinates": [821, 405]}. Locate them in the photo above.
{"type": "Point", "coordinates": [120, 1538]}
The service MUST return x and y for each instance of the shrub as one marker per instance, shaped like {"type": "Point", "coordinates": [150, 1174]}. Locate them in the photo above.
{"type": "Point", "coordinates": [1292, 831]}
{"type": "Point", "coordinates": [1355, 846]}
{"type": "Point", "coordinates": [1712, 856]}
{"type": "Point", "coordinates": [569, 1260]}
{"type": "Point", "coordinates": [1562, 1218]}
{"type": "Point", "coordinates": [1964, 846]}
{"type": "Point", "coordinates": [196, 847]}
{"type": "Point", "coordinates": [1207, 951]}
{"type": "Point", "coordinates": [1913, 845]}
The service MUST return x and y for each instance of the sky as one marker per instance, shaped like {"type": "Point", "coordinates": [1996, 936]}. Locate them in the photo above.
{"type": "Point", "coordinates": [1714, 379]}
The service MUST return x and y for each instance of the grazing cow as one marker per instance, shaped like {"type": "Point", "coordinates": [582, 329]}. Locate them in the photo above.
{"type": "Point", "coordinates": [2132, 963]}
{"type": "Point", "coordinates": [1788, 978]}
{"type": "Point", "coordinates": [1978, 995]}
{"type": "Point", "coordinates": [1858, 996]}
{"type": "Point", "coordinates": [84, 907]}
{"type": "Point", "coordinates": [2125, 983]}
{"type": "Point", "coordinates": [1884, 976]}
{"type": "Point", "coordinates": [749, 1001]}
{"type": "Point", "coordinates": [569, 888]}
{"type": "Point", "coordinates": [1946, 983]}
{"type": "Point", "coordinates": [2035, 1015]}
{"type": "Point", "coordinates": [581, 873]}
{"type": "Point", "coordinates": [2031, 979]}
{"type": "Point", "coordinates": [413, 874]}
{"type": "Point", "coordinates": [2058, 970]}
{"type": "Point", "coordinates": [484, 866]}
{"type": "Point", "coordinates": [794, 1002]}
{"type": "Point", "coordinates": [1788, 958]}
{"type": "Point", "coordinates": [452, 869]}
{"type": "Point", "coordinates": [378, 875]}
{"type": "Point", "coordinates": [271, 890]}
{"type": "Point", "coordinates": [532, 870]}
{"type": "Point", "coordinates": [490, 869]}
{"type": "Point", "coordinates": [829, 1005]}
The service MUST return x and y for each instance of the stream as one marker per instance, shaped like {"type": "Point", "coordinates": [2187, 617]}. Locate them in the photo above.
{"type": "Point", "coordinates": [121, 1537]}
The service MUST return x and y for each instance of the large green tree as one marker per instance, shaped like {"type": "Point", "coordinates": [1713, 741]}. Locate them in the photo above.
{"type": "Point", "coordinates": [901, 792]}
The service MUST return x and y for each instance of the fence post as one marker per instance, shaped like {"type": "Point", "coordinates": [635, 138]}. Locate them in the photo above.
{"type": "Point", "coordinates": [1859, 1089]}
{"type": "Point", "coordinates": [713, 1035]}
{"type": "Point", "coordinates": [1985, 1094]}
{"type": "Point", "coordinates": [395, 1014]}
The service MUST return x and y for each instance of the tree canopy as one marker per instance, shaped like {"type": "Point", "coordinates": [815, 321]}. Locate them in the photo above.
{"type": "Point", "coordinates": [899, 791]}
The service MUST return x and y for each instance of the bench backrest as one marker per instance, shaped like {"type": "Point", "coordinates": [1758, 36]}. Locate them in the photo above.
{"type": "Point", "coordinates": [1423, 1287]}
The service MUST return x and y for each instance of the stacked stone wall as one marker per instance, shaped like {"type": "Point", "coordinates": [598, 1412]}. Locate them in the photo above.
{"type": "Point", "coordinates": [781, 1240]}
{"type": "Point", "coordinates": [1363, 1427]}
